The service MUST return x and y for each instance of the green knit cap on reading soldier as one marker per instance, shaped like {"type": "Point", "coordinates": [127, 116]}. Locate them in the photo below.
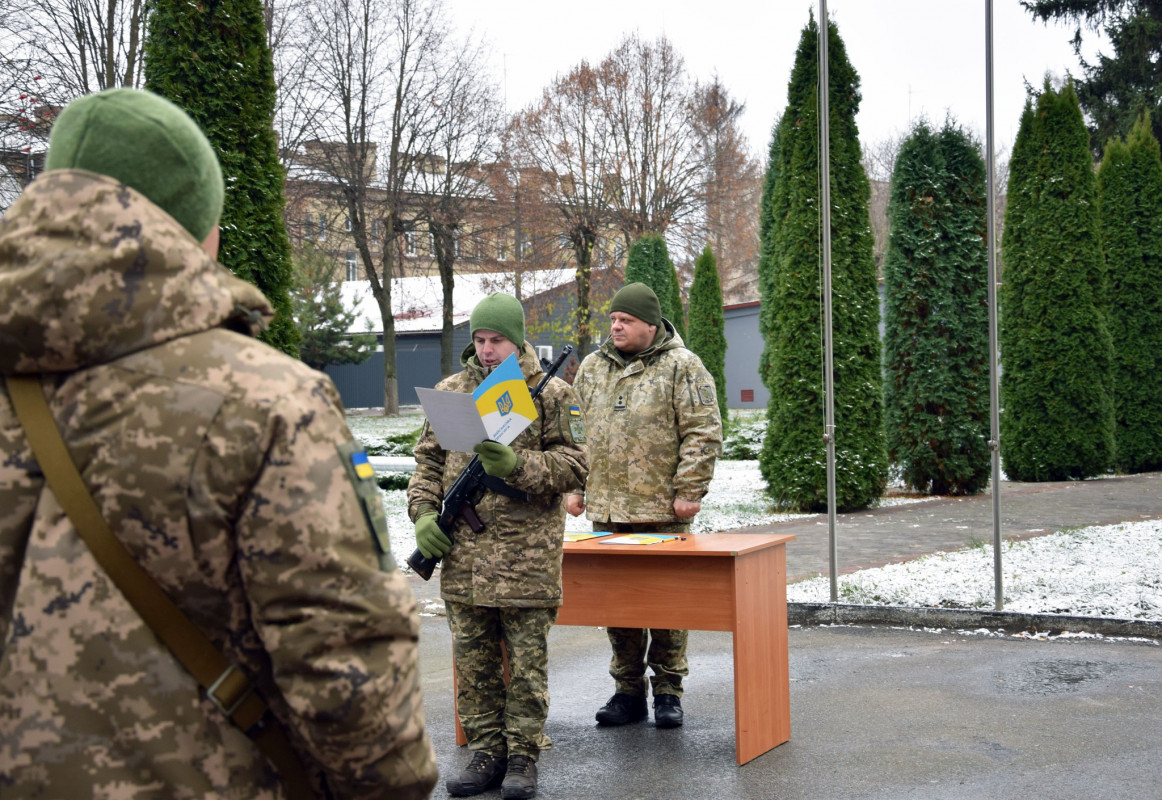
{"type": "Point", "coordinates": [147, 143]}
{"type": "Point", "coordinates": [638, 300]}
{"type": "Point", "coordinates": [501, 313]}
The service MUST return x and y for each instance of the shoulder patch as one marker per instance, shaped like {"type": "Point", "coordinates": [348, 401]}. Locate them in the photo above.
{"type": "Point", "coordinates": [576, 424]}
{"type": "Point", "coordinates": [707, 395]}
{"type": "Point", "coordinates": [362, 477]}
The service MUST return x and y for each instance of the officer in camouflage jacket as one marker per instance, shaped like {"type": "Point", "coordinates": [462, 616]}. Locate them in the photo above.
{"type": "Point", "coordinates": [224, 467]}
{"type": "Point", "coordinates": [654, 436]}
{"type": "Point", "coordinates": [503, 582]}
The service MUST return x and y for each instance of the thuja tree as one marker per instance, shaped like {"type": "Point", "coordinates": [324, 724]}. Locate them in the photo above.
{"type": "Point", "coordinates": [793, 460]}
{"type": "Point", "coordinates": [649, 262]}
{"type": "Point", "coordinates": [1130, 198]}
{"type": "Point", "coordinates": [707, 325]}
{"type": "Point", "coordinates": [766, 268]}
{"type": "Point", "coordinates": [212, 59]}
{"type": "Point", "coordinates": [936, 365]}
{"type": "Point", "coordinates": [1057, 409]}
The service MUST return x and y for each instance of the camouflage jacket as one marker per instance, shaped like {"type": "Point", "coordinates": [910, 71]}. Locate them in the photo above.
{"type": "Point", "coordinates": [516, 559]}
{"type": "Point", "coordinates": [654, 430]}
{"type": "Point", "coordinates": [222, 465]}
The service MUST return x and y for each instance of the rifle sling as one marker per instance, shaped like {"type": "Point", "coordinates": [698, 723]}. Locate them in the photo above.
{"type": "Point", "coordinates": [225, 684]}
{"type": "Point", "coordinates": [500, 487]}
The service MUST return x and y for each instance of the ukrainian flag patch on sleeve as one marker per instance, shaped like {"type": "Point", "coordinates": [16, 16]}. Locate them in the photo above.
{"type": "Point", "coordinates": [576, 424]}
{"type": "Point", "coordinates": [362, 476]}
{"type": "Point", "coordinates": [362, 465]}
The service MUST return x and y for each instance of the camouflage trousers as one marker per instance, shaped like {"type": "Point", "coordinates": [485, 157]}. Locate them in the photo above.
{"type": "Point", "coordinates": [663, 650]}
{"type": "Point", "coordinates": [498, 719]}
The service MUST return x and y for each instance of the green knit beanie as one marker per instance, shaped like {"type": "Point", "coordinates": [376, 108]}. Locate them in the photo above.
{"type": "Point", "coordinates": [501, 313]}
{"type": "Point", "coordinates": [638, 300]}
{"type": "Point", "coordinates": [147, 143]}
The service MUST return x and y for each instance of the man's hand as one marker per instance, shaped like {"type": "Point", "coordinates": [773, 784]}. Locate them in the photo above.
{"type": "Point", "coordinates": [685, 509]}
{"type": "Point", "coordinates": [498, 459]}
{"type": "Point", "coordinates": [575, 504]}
{"type": "Point", "coordinates": [432, 541]}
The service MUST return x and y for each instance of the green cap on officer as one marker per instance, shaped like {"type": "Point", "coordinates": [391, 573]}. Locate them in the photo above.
{"type": "Point", "coordinates": [638, 300]}
{"type": "Point", "coordinates": [147, 143]}
{"type": "Point", "coordinates": [501, 313]}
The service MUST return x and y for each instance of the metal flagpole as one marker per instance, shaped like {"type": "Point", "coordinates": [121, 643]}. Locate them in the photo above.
{"type": "Point", "coordinates": [994, 394]}
{"type": "Point", "coordinates": [825, 225]}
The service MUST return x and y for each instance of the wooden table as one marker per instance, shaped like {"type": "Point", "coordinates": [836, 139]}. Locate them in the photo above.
{"type": "Point", "coordinates": [733, 582]}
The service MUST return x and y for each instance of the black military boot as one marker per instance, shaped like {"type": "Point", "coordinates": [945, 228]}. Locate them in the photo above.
{"type": "Point", "coordinates": [622, 708]}
{"type": "Point", "coordinates": [483, 772]}
{"type": "Point", "coordinates": [667, 711]}
{"type": "Point", "coordinates": [520, 782]}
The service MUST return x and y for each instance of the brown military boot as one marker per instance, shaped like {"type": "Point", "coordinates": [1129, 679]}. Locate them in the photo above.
{"type": "Point", "coordinates": [520, 783]}
{"type": "Point", "coordinates": [483, 772]}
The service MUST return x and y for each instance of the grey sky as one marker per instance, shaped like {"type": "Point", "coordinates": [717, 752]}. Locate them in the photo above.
{"type": "Point", "coordinates": [914, 57]}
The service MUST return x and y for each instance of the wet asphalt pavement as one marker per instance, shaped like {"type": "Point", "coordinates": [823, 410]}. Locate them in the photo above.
{"type": "Point", "coordinates": [877, 711]}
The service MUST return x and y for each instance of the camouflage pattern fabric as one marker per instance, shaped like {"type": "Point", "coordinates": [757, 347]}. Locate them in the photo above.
{"type": "Point", "coordinates": [224, 468]}
{"type": "Point", "coordinates": [502, 721]}
{"type": "Point", "coordinates": [662, 649]}
{"type": "Point", "coordinates": [654, 430]}
{"type": "Point", "coordinates": [516, 559]}
{"type": "Point", "coordinates": [654, 435]}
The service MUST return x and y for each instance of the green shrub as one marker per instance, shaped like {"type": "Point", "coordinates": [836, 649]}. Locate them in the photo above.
{"type": "Point", "coordinates": [394, 444]}
{"type": "Point", "coordinates": [742, 438]}
{"type": "Point", "coordinates": [390, 481]}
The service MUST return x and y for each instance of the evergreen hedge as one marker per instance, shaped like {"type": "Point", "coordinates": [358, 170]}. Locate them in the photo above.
{"type": "Point", "coordinates": [793, 461]}
{"type": "Point", "coordinates": [707, 324]}
{"type": "Point", "coordinates": [1056, 404]}
{"type": "Point", "coordinates": [649, 262]}
{"type": "Point", "coordinates": [211, 58]}
{"type": "Point", "coordinates": [1130, 198]}
{"type": "Point", "coordinates": [936, 390]}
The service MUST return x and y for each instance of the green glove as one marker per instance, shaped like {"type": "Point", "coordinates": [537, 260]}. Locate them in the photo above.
{"type": "Point", "coordinates": [432, 541]}
{"type": "Point", "coordinates": [497, 459]}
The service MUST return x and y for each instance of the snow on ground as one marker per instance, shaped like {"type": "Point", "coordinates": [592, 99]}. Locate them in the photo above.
{"type": "Point", "coordinates": [1101, 571]}
{"type": "Point", "coordinates": [1108, 571]}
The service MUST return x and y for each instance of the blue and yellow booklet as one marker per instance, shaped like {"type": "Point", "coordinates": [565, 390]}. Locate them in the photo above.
{"type": "Point", "coordinates": [499, 409]}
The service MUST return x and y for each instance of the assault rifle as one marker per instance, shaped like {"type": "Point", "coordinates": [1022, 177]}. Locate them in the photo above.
{"type": "Point", "coordinates": [461, 498]}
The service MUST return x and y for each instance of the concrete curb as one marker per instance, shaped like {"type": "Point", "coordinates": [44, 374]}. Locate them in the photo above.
{"type": "Point", "coordinates": [843, 614]}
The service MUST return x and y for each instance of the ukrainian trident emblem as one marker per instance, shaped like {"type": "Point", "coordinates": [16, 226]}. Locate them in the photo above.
{"type": "Point", "coordinates": [504, 404]}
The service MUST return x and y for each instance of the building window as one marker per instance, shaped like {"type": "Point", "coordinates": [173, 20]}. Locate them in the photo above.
{"type": "Point", "coordinates": [501, 248]}
{"type": "Point", "coordinates": [456, 242]}
{"type": "Point", "coordinates": [347, 224]}
{"type": "Point", "coordinates": [352, 266]}
{"type": "Point", "coordinates": [409, 243]}
{"type": "Point", "coordinates": [375, 230]}
{"type": "Point", "coordinates": [525, 249]}
{"type": "Point", "coordinates": [747, 396]}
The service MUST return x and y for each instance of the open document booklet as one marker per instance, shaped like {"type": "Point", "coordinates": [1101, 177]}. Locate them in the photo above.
{"type": "Point", "coordinates": [499, 409]}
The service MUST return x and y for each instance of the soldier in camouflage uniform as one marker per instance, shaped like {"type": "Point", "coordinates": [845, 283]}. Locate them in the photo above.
{"type": "Point", "coordinates": [654, 435]}
{"type": "Point", "coordinates": [503, 583]}
{"type": "Point", "coordinates": [224, 467]}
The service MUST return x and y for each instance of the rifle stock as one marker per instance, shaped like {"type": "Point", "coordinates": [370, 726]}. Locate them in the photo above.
{"type": "Point", "coordinates": [462, 497]}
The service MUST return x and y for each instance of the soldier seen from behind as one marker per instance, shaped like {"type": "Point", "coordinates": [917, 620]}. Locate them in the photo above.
{"type": "Point", "coordinates": [502, 583]}
{"type": "Point", "coordinates": [226, 470]}
{"type": "Point", "coordinates": [654, 435]}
